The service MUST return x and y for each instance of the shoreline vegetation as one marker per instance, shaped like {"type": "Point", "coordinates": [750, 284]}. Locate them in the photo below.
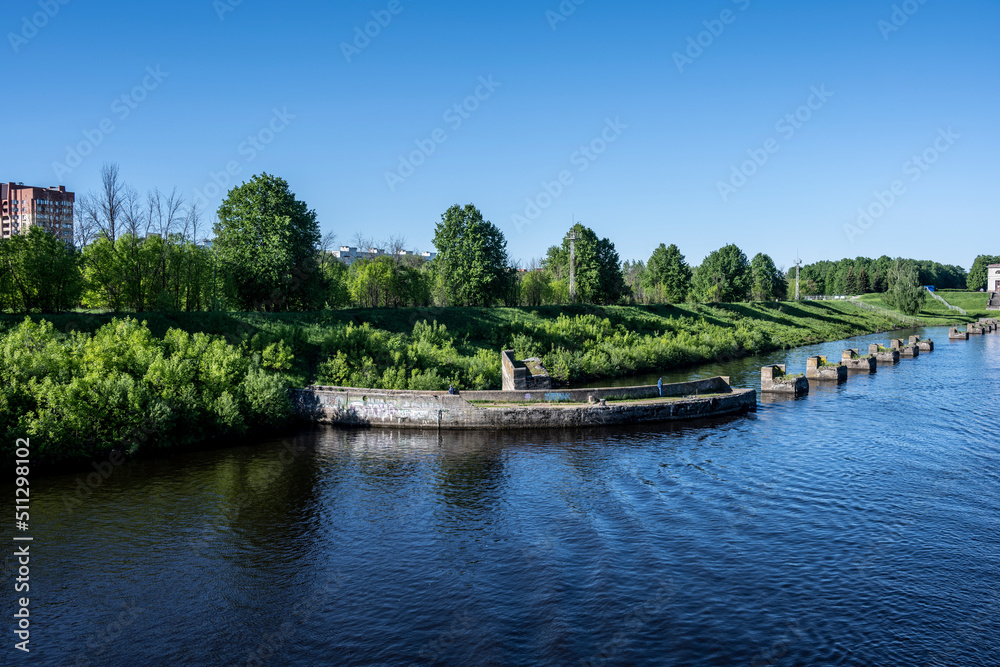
{"type": "Point", "coordinates": [85, 386]}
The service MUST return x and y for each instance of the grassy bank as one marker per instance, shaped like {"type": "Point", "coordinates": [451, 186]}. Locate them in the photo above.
{"type": "Point", "coordinates": [934, 312]}
{"type": "Point", "coordinates": [396, 349]}
{"type": "Point", "coordinates": [83, 384]}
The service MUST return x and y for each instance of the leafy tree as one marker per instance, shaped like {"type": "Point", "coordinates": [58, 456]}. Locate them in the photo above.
{"type": "Point", "coordinates": [266, 241]}
{"type": "Point", "coordinates": [724, 276]}
{"type": "Point", "coordinates": [768, 283]}
{"type": "Point", "coordinates": [598, 271]}
{"type": "Point", "coordinates": [39, 272]}
{"type": "Point", "coordinates": [335, 275]}
{"type": "Point", "coordinates": [905, 292]}
{"type": "Point", "coordinates": [634, 275]}
{"type": "Point", "coordinates": [472, 263]}
{"type": "Point", "coordinates": [979, 273]}
{"type": "Point", "coordinates": [535, 288]}
{"type": "Point", "coordinates": [668, 270]}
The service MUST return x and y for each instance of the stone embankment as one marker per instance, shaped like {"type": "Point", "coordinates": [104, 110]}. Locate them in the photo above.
{"type": "Point", "coordinates": [571, 408]}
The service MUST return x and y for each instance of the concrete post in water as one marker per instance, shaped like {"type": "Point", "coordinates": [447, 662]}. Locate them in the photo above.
{"type": "Point", "coordinates": [817, 368]}
{"type": "Point", "coordinates": [955, 334]}
{"type": "Point", "coordinates": [774, 381]}
{"type": "Point", "coordinates": [906, 351]}
{"type": "Point", "coordinates": [922, 345]}
{"type": "Point", "coordinates": [853, 360]}
{"type": "Point", "coordinates": [883, 355]}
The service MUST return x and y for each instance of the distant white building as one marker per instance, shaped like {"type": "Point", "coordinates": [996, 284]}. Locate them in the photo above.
{"type": "Point", "coordinates": [349, 254]}
{"type": "Point", "coordinates": [993, 278]}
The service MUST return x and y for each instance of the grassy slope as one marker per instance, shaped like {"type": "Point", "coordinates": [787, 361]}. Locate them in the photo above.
{"type": "Point", "coordinates": [781, 325]}
{"type": "Point", "coordinates": [935, 313]}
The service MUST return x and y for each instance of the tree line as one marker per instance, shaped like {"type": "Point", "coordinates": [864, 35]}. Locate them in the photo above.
{"type": "Point", "coordinates": [150, 252]}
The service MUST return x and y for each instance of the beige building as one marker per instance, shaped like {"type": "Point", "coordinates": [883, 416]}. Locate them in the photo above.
{"type": "Point", "coordinates": [22, 206]}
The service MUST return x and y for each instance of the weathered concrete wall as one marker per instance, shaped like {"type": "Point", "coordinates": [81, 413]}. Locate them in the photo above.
{"type": "Point", "coordinates": [518, 377]}
{"type": "Point", "coordinates": [884, 357]}
{"type": "Point", "coordinates": [906, 351]}
{"type": "Point", "coordinates": [710, 386]}
{"type": "Point", "coordinates": [406, 409]}
{"type": "Point", "coordinates": [955, 334]}
{"type": "Point", "coordinates": [513, 377]}
{"type": "Point", "coordinates": [773, 380]}
{"type": "Point", "coordinates": [975, 330]}
{"type": "Point", "coordinates": [815, 370]}
{"type": "Point", "coordinates": [922, 345]}
{"type": "Point", "coordinates": [853, 360]}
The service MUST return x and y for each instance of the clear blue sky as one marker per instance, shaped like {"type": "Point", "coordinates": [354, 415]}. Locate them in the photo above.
{"type": "Point", "coordinates": [893, 92]}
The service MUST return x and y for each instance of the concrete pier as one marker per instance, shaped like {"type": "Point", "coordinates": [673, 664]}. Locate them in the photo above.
{"type": "Point", "coordinates": [922, 345]}
{"type": "Point", "coordinates": [773, 380]}
{"type": "Point", "coordinates": [853, 360]}
{"type": "Point", "coordinates": [818, 368]}
{"type": "Point", "coordinates": [905, 351]}
{"type": "Point", "coordinates": [975, 330]}
{"type": "Point", "coordinates": [955, 334]}
{"type": "Point", "coordinates": [507, 410]}
{"type": "Point", "coordinates": [884, 356]}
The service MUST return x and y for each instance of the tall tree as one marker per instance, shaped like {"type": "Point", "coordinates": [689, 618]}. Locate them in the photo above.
{"type": "Point", "coordinates": [267, 242]}
{"type": "Point", "coordinates": [905, 292]}
{"type": "Point", "coordinates": [668, 273]}
{"type": "Point", "coordinates": [767, 283]}
{"type": "Point", "coordinates": [472, 260]}
{"type": "Point", "coordinates": [598, 270]}
{"type": "Point", "coordinates": [979, 273]}
{"type": "Point", "coordinates": [851, 282]}
{"type": "Point", "coordinates": [39, 272]}
{"type": "Point", "coordinates": [864, 283]}
{"type": "Point", "coordinates": [724, 276]}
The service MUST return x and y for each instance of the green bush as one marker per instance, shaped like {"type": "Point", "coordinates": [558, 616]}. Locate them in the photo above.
{"type": "Point", "coordinates": [78, 396]}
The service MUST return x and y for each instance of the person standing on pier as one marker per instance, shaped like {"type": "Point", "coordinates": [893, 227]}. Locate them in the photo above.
{"type": "Point", "coordinates": [659, 385]}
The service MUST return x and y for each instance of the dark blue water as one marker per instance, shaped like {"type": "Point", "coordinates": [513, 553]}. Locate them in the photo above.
{"type": "Point", "coordinates": [857, 526]}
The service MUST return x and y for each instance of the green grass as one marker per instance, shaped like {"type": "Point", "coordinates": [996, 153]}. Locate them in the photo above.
{"type": "Point", "coordinates": [936, 313]}
{"type": "Point", "coordinates": [381, 348]}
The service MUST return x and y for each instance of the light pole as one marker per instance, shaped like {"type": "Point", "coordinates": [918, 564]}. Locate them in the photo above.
{"type": "Point", "coordinates": [572, 266]}
{"type": "Point", "coordinates": [798, 263]}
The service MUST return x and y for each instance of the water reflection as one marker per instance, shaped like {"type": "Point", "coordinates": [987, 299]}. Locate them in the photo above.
{"type": "Point", "coordinates": [856, 525]}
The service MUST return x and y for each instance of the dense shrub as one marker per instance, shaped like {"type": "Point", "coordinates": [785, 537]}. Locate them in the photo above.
{"type": "Point", "coordinates": [78, 396]}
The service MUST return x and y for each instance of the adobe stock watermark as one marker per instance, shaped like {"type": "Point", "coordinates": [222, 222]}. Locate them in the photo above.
{"type": "Point", "coordinates": [914, 168]}
{"type": "Point", "coordinates": [248, 150]}
{"type": "Point", "coordinates": [454, 116]}
{"type": "Point", "coordinates": [363, 35]}
{"type": "Point", "coordinates": [581, 158]}
{"type": "Point", "coordinates": [30, 25]}
{"type": "Point", "coordinates": [900, 16]}
{"type": "Point", "coordinates": [698, 44]}
{"type": "Point", "coordinates": [223, 7]}
{"type": "Point", "coordinates": [787, 126]}
{"type": "Point", "coordinates": [121, 108]}
{"type": "Point", "coordinates": [562, 13]}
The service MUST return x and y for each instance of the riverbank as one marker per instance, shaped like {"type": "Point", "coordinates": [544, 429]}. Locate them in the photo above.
{"type": "Point", "coordinates": [432, 348]}
{"type": "Point", "coordinates": [936, 313]}
{"type": "Point", "coordinates": [89, 384]}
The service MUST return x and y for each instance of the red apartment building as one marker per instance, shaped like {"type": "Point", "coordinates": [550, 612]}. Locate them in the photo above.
{"type": "Point", "coordinates": [22, 206]}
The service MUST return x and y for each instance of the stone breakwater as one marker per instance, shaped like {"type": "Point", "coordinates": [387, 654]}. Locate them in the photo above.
{"type": "Point", "coordinates": [571, 408]}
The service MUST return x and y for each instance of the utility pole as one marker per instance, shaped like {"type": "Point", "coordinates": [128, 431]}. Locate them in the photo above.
{"type": "Point", "coordinates": [572, 264]}
{"type": "Point", "coordinates": [798, 263]}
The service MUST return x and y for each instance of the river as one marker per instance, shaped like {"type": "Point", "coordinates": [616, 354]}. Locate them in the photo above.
{"type": "Point", "coordinates": [859, 525]}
